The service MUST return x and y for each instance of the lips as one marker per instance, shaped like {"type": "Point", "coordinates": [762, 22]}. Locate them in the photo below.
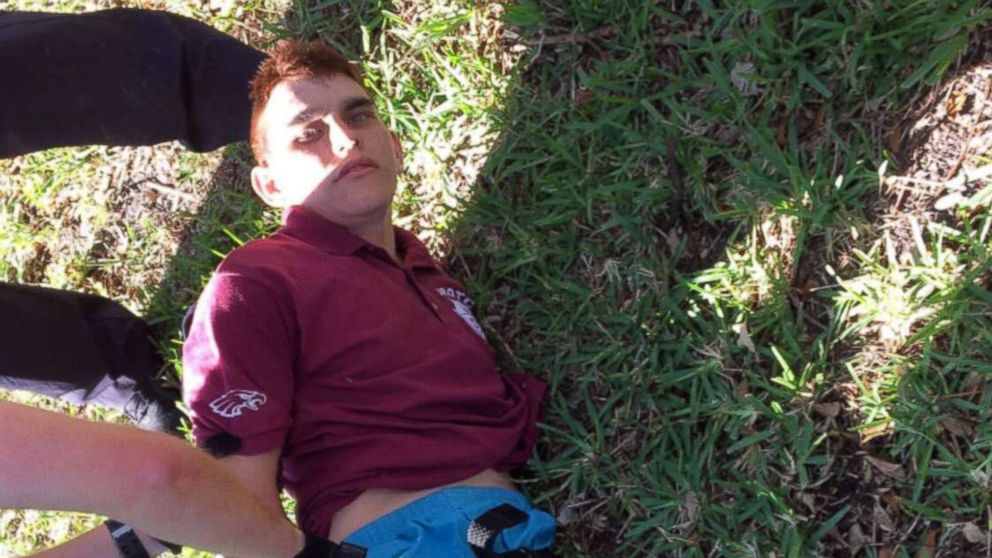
{"type": "Point", "coordinates": [353, 168]}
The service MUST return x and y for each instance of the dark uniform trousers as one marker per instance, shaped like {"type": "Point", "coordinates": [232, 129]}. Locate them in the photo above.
{"type": "Point", "coordinates": [115, 77]}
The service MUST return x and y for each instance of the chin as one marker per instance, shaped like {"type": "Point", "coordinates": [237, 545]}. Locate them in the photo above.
{"type": "Point", "coordinates": [348, 211]}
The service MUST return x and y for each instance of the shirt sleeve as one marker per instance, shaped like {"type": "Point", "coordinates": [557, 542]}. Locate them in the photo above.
{"type": "Point", "coordinates": [238, 365]}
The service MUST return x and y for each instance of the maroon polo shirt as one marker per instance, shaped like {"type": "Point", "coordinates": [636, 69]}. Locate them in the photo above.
{"type": "Point", "coordinates": [366, 372]}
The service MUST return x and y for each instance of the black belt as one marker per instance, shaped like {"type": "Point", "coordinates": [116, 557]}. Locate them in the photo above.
{"type": "Point", "coordinates": [319, 547]}
{"type": "Point", "coordinates": [483, 530]}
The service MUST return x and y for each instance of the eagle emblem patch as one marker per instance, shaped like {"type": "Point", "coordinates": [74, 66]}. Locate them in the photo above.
{"type": "Point", "coordinates": [234, 402]}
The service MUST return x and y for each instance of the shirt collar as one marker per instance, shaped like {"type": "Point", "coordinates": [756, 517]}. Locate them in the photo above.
{"type": "Point", "coordinates": [311, 228]}
{"type": "Point", "coordinates": [414, 252]}
{"type": "Point", "coordinates": [305, 225]}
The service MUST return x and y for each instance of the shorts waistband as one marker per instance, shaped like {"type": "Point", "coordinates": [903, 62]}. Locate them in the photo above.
{"type": "Point", "coordinates": [451, 499]}
{"type": "Point", "coordinates": [442, 524]}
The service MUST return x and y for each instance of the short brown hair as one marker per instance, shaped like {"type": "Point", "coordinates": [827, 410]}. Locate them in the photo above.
{"type": "Point", "coordinates": [291, 59]}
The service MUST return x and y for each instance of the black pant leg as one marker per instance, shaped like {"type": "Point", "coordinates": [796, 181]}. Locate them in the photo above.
{"type": "Point", "coordinates": [120, 77]}
{"type": "Point", "coordinates": [82, 348]}
{"type": "Point", "coordinates": [115, 77]}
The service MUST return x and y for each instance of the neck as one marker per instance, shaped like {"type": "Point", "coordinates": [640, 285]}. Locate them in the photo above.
{"type": "Point", "coordinates": [379, 233]}
{"type": "Point", "coordinates": [375, 228]}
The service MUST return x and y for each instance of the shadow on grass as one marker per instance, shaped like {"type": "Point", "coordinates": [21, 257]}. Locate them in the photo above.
{"type": "Point", "coordinates": [918, 350]}
{"type": "Point", "coordinates": [659, 233]}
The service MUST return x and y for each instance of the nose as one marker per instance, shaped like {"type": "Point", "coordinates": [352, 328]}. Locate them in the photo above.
{"type": "Point", "coordinates": [342, 141]}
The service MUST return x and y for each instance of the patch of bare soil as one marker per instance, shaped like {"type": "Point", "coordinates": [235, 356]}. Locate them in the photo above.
{"type": "Point", "coordinates": [116, 221]}
{"type": "Point", "coordinates": [152, 195]}
{"type": "Point", "coordinates": [945, 146]}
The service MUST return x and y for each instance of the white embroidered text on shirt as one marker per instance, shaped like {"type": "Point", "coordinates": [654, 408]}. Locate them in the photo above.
{"type": "Point", "coordinates": [463, 307]}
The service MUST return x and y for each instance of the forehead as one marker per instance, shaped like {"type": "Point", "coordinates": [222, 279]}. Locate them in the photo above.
{"type": "Point", "coordinates": [321, 94]}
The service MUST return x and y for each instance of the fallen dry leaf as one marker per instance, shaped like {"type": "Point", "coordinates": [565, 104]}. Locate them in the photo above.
{"type": "Point", "coordinates": [782, 133]}
{"type": "Point", "coordinates": [957, 427]}
{"type": "Point", "coordinates": [892, 500]}
{"type": "Point", "coordinates": [973, 381]}
{"type": "Point", "coordinates": [868, 434]}
{"type": "Point", "coordinates": [582, 96]}
{"type": "Point", "coordinates": [974, 534]}
{"type": "Point", "coordinates": [691, 506]}
{"type": "Point", "coordinates": [856, 538]}
{"type": "Point", "coordinates": [929, 547]}
{"type": "Point", "coordinates": [883, 519]}
{"type": "Point", "coordinates": [950, 201]}
{"type": "Point", "coordinates": [887, 468]}
{"type": "Point", "coordinates": [743, 76]}
{"type": "Point", "coordinates": [956, 103]}
{"type": "Point", "coordinates": [828, 410]}
{"type": "Point", "coordinates": [820, 117]}
{"type": "Point", "coordinates": [743, 337]}
{"type": "Point", "coordinates": [894, 140]}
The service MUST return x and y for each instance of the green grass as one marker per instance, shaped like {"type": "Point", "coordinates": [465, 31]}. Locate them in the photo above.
{"type": "Point", "coordinates": [677, 218]}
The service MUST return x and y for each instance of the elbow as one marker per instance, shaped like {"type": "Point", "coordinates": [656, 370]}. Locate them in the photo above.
{"type": "Point", "coordinates": [165, 472]}
{"type": "Point", "coordinates": [157, 474]}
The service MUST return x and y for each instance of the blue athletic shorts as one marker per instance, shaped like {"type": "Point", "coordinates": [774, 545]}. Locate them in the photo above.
{"type": "Point", "coordinates": [436, 525]}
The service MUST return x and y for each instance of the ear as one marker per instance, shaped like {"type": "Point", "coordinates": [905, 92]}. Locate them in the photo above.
{"type": "Point", "coordinates": [266, 188]}
{"type": "Point", "coordinates": [397, 150]}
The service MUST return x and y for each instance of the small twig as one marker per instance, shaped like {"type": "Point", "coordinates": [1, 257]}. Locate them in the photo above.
{"type": "Point", "coordinates": [965, 394]}
{"type": "Point", "coordinates": [955, 184]}
{"type": "Point", "coordinates": [797, 304]}
{"type": "Point", "coordinates": [168, 190]}
{"type": "Point", "coordinates": [569, 38]}
{"type": "Point", "coordinates": [466, 269]}
{"type": "Point", "coordinates": [892, 182]}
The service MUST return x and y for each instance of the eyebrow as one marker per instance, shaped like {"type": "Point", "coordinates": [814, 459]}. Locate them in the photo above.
{"type": "Point", "coordinates": [313, 113]}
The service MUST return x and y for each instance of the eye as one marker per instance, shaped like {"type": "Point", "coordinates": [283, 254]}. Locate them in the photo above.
{"type": "Point", "coordinates": [308, 135]}
{"type": "Point", "coordinates": [360, 117]}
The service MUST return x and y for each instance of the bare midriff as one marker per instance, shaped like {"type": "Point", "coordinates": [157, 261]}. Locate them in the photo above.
{"type": "Point", "coordinates": [375, 503]}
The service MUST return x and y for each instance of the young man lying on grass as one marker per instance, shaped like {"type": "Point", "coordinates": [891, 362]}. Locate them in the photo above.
{"type": "Point", "coordinates": [335, 357]}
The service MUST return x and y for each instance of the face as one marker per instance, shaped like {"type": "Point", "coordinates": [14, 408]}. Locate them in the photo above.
{"type": "Point", "coordinates": [326, 149]}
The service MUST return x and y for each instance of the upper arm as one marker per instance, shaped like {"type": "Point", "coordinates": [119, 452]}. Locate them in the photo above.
{"type": "Point", "coordinates": [238, 378]}
{"type": "Point", "coordinates": [238, 365]}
